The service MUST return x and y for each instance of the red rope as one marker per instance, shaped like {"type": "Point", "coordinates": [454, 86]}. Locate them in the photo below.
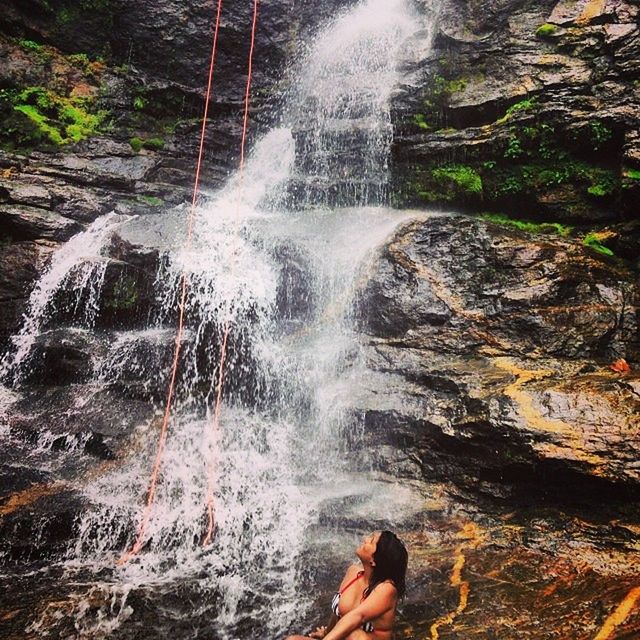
{"type": "Point", "coordinates": [216, 413]}
{"type": "Point", "coordinates": [146, 516]}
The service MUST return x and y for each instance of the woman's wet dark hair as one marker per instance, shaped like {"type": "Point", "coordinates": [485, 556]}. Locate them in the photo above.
{"type": "Point", "coordinates": [390, 560]}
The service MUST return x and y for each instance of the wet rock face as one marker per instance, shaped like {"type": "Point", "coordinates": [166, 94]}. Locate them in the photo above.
{"type": "Point", "coordinates": [525, 108]}
{"type": "Point", "coordinates": [493, 348]}
{"type": "Point", "coordinates": [462, 282]}
{"type": "Point", "coordinates": [21, 263]}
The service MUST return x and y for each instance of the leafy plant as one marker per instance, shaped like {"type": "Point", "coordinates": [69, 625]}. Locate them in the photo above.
{"type": "Point", "coordinates": [524, 105]}
{"type": "Point", "coordinates": [139, 103]}
{"type": "Point", "coordinates": [514, 148]}
{"type": "Point", "coordinates": [600, 134]}
{"type": "Point", "coordinates": [594, 241]}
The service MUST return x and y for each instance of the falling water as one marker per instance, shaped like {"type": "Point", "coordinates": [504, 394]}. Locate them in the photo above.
{"type": "Point", "coordinates": [277, 255]}
{"type": "Point", "coordinates": [77, 267]}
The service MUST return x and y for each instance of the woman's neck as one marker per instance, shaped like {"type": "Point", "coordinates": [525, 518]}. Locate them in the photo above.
{"type": "Point", "coordinates": [367, 570]}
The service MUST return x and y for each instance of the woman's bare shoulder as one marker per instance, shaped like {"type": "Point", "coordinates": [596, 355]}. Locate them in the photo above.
{"type": "Point", "coordinates": [386, 588]}
{"type": "Point", "coordinates": [350, 574]}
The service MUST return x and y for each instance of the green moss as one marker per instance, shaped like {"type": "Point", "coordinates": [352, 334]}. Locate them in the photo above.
{"type": "Point", "coordinates": [80, 123]}
{"type": "Point", "coordinates": [450, 183]}
{"type": "Point", "coordinates": [419, 119]}
{"type": "Point", "coordinates": [136, 144]}
{"type": "Point", "coordinates": [37, 116]}
{"type": "Point", "coordinates": [152, 201]}
{"type": "Point", "coordinates": [30, 45]}
{"type": "Point", "coordinates": [593, 240]}
{"type": "Point", "coordinates": [464, 177]}
{"type": "Point", "coordinates": [546, 30]}
{"type": "Point", "coordinates": [633, 174]}
{"type": "Point", "coordinates": [527, 225]}
{"type": "Point", "coordinates": [154, 143]}
{"type": "Point", "coordinates": [42, 127]}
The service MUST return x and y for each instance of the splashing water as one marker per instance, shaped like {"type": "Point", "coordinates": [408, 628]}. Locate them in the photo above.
{"type": "Point", "coordinates": [76, 266]}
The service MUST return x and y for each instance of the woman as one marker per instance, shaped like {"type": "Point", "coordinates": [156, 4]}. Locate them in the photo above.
{"type": "Point", "coordinates": [365, 606]}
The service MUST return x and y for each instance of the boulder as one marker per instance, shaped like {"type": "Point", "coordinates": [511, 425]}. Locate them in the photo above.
{"type": "Point", "coordinates": [492, 350]}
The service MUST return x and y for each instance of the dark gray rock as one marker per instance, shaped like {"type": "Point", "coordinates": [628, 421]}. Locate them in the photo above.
{"type": "Point", "coordinates": [23, 222]}
{"type": "Point", "coordinates": [64, 356]}
{"type": "Point", "coordinates": [491, 351]}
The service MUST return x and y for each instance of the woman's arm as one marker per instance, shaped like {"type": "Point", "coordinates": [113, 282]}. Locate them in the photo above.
{"type": "Point", "coordinates": [378, 602]}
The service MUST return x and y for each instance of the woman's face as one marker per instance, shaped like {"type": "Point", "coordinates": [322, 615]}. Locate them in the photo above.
{"type": "Point", "coordinates": [368, 547]}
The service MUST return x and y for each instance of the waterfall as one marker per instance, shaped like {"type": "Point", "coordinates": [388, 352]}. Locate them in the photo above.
{"type": "Point", "coordinates": [339, 107]}
{"type": "Point", "coordinates": [277, 255]}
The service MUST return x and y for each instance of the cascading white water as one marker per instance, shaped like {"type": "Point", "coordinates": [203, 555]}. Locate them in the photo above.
{"type": "Point", "coordinates": [78, 267]}
{"type": "Point", "coordinates": [274, 260]}
{"type": "Point", "coordinates": [339, 107]}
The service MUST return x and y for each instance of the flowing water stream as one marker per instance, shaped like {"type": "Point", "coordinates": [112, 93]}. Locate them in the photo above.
{"type": "Point", "coordinates": [278, 255]}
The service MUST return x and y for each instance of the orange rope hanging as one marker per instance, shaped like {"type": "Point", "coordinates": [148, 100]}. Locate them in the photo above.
{"type": "Point", "coordinates": [227, 326]}
{"type": "Point", "coordinates": [146, 516]}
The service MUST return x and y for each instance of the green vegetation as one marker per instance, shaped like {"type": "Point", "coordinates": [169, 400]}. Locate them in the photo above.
{"type": "Point", "coordinates": [527, 225]}
{"type": "Point", "coordinates": [30, 45]}
{"type": "Point", "coordinates": [439, 92]}
{"type": "Point", "coordinates": [464, 177]}
{"type": "Point", "coordinates": [546, 30]}
{"type": "Point", "coordinates": [524, 105]}
{"type": "Point", "coordinates": [136, 144]}
{"type": "Point", "coordinates": [74, 11]}
{"type": "Point", "coordinates": [43, 131]}
{"type": "Point", "coordinates": [152, 201]}
{"type": "Point", "coordinates": [39, 52]}
{"type": "Point", "coordinates": [452, 182]}
{"type": "Point", "coordinates": [522, 179]}
{"type": "Point", "coordinates": [139, 103]}
{"type": "Point", "coordinates": [124, 295]}
{"type": "Point", "coordinates": [420, 120]}
{"type": "Point", "coordinates": [37, 116]}
{"type": "Point", "coordinates": [155, 144]}
{"type": "Point", "coordinates": [633, 174]}
{"type": "Point", "coordinates": [600, 134]}
{"type": "Point", "coordinates": [594, 241]}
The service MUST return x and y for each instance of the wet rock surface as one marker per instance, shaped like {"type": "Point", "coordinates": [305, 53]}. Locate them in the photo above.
{"type": "Point", "coordinates": [526, 109]}
{"type": "Point", "coordinates": [498, 366]}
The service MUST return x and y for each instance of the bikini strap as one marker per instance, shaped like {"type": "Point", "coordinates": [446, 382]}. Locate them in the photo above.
{"type": "Point", "coordinates": [360, 574]}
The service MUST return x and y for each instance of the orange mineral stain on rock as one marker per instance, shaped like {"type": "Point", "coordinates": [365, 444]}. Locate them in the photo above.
{"type": "Point", "coordinates": [619, 616]}
{"type": "Point", "coordinates": [471, 539]}
{"type": "Point", "coordinates": [28, 496]}
{"type": "Point", "coordinates": [593, 9]}
{"type": "Point", "coordinates": [571, 437]}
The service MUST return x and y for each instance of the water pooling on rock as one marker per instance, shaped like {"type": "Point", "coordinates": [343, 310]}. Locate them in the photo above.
{"type": "Point", "coordinates": [275, 257]}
